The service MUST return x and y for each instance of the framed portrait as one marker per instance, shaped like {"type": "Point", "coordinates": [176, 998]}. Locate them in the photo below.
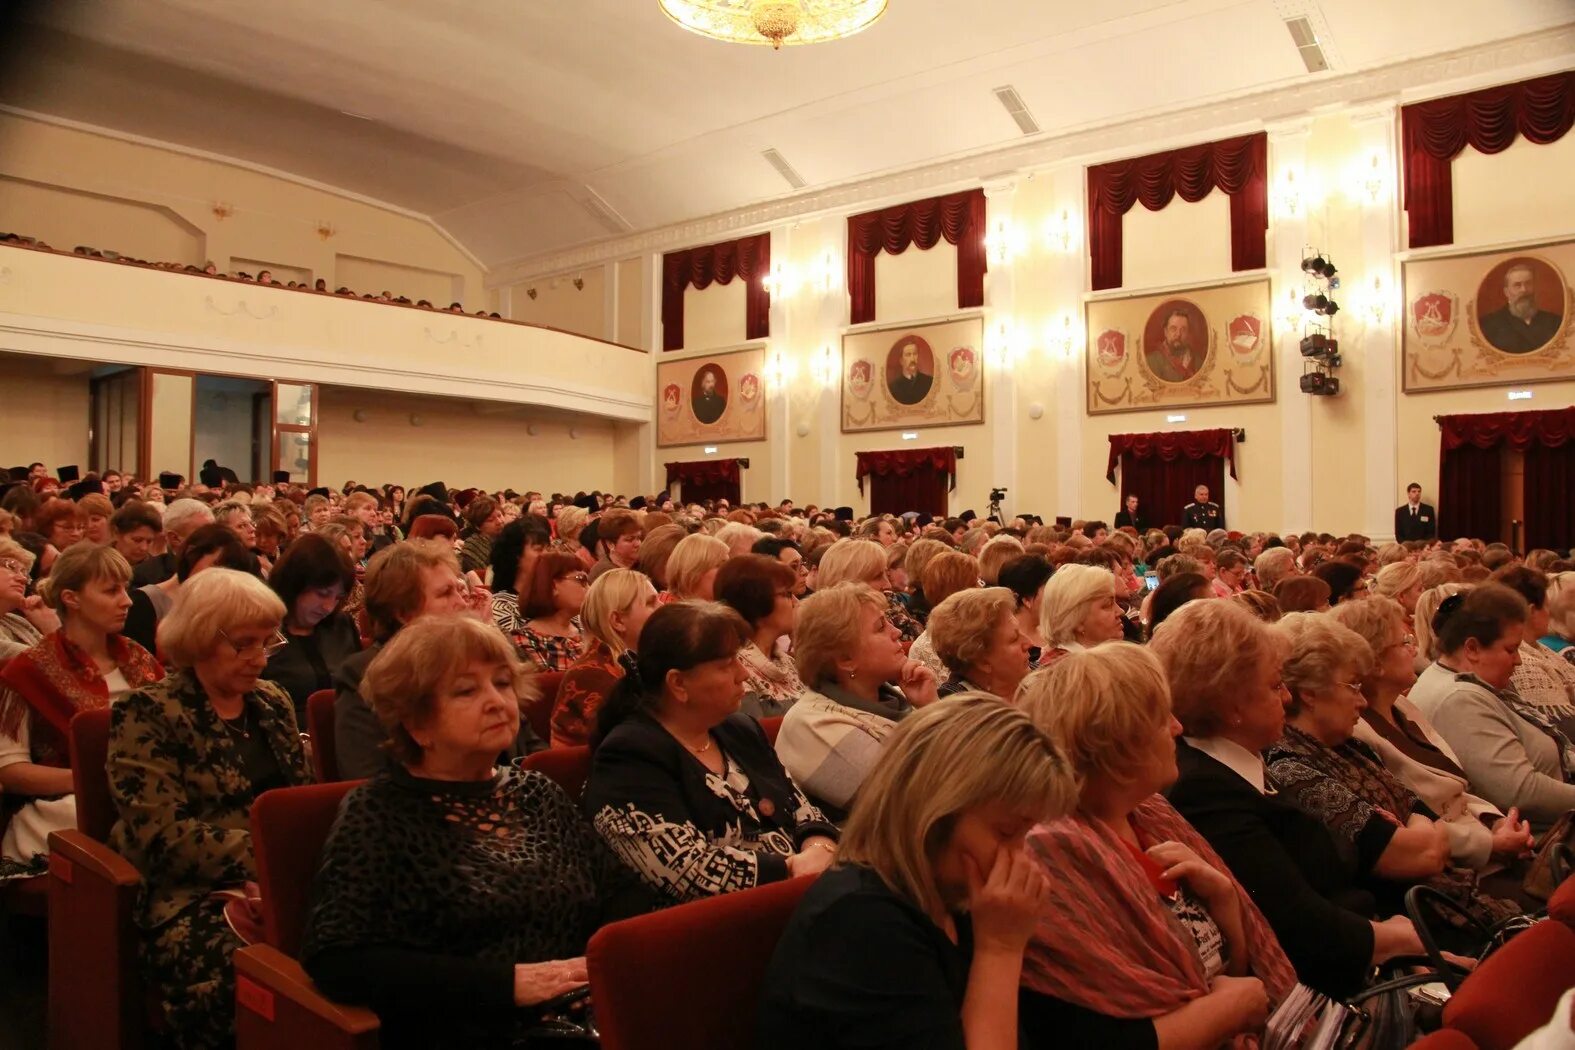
{"type": "Point", "coordinates": [1211, 345]}
{"type": "Point", "coordinates": [1488, 317]}
{"type": "Point", "coordinates": [711, 399]}
{"type": "Point", "coordinates": [921, 375]}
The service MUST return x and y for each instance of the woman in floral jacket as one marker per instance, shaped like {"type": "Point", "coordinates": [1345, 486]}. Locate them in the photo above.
{"type": "Point", "coordinates": [187, 757]}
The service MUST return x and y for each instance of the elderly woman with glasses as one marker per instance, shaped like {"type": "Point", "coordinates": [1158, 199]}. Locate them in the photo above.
{"type": "Point", "coordinates": [761, 590]}
{"type": "Point", "coordinates": [1320, 769]}
{"type": "Point", "coordinates": [187, 757]}
{"type": "Point", "coordinates": [1411, 749]}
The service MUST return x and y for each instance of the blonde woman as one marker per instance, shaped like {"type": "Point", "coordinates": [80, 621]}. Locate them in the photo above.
{"type": "Point", "coordinates": [944, 575]}
{"type": "Point", "coordinates": [916, 937]}
{"type": "Point", "coordinates": [692, 568]}
{"type": "Point", "coordinates": [1080, 609]}
{"type": "Point", "coordinates": [995, 554]}
{"type": "Point", "coordinates": [1422, 623]}
{"type": "Point", "coordinates": [918, 558]}
{"type": "Point", "coordinates": [1182, 957]}
{"type": "Point", "coordinates": [978, 638]}
{"type": "Point", "coordinates": [859, 685]}
{"type": "Point", "coordinates": [1561, 615]}
{"type": "Point", "coordinates": [571, 522]}
{"type": "Point", "coordinates": [1401, 581]}
{"type": "Point", "coordinates": [864, 561]}
{"type": "Point", "coordinates": [615, 610]}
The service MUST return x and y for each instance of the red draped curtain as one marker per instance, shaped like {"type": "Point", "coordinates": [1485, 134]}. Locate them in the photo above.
{"type": "Point", "coordinates": [907, 479]}
{"type": "Point", "coordinates": [1162, 469]}
{"type": "Point", "coordinates": [1435, 132]}
{"type": "Point", "coordinates": [1470, 497]}
{"type": "Point", "coordinates": [1238, 167]}
{"type": "Point", "coordinates": [747, 257]}
{"type": "Point", "coordinates": [707, 479]}
{"type": "Point", "coordinates": [957, 217]}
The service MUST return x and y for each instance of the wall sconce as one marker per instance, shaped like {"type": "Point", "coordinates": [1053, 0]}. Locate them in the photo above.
{"type": "Point", "coordinates": [1368, 184]}
{"type": "Point", "coordinates": [1061, 232]}
{"type": "Point", "coordinates": [825, 369]}
{"type": "Point", "coordinates": [1004, 242]}
{"type": "Point", "coordinates": [778, 370]}
{"type": "Point", "coordinates": [325, 229]}
{"type": "Point", "coordinates": [1064, 337]}
{"type": "Point", "coordinates": [781, 282]}
{"type": "Point", "coordinates": [1377, 299]}
{"type": "Point", "coordinates": [222, 210]}
{"type": "Point", "coordinates": [532, 292]}
{"type": "Point", "coordinates": [1006, 344]}
{"type": "Point", "coordinates": [826, 274]}
{"type": "Point", "coordinates": [1289, 194]}
{"type": "Point", "coordinates": [1289, 318]}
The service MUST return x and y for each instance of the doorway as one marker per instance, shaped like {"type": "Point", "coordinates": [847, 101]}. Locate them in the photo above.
{"type": "Point", "coordinates": [231, 420]}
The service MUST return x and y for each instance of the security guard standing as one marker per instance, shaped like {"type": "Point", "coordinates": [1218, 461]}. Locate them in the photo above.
{"type": "Point", "coordinates": [1200, 513]}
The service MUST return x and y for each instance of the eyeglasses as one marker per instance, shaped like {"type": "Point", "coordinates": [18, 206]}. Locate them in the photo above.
{"type": "Point", "coordinates": [14, 567]}
{"type": "Point", "coordinates": [1355, 687]}
{"type": "Point", "coordinates": [1408, 642]}
{"type": "Point", "coordinates": [577, 577]}
{"type": "Point", "coordinates": [274, 644]}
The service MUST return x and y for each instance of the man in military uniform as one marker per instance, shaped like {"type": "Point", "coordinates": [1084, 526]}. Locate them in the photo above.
{"type": "Point", "coordinates": [1200, 513]}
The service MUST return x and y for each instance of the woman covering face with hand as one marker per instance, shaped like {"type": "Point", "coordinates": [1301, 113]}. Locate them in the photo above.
{"type": "Point", "coordinates": [916, 936]}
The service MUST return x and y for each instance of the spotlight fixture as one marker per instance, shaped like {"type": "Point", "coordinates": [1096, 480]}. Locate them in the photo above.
{"type": "Point", "coordinates": [1320, 384]}
{"type": "Point", "coordinates": [1318, 266]}
{"type": "Point", "coordinates": [1319, 303]}
{"type": "Point", "coordinates": [1320, 345]}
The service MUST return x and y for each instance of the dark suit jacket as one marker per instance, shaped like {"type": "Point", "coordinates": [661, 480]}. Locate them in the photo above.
{"type": "Point", "coordinates": [1123, 519]}
{"type": "Point", "coordinates": [709, 407]}
{"type": "Point", "coordinates": [1203, 516]}
{"type": "Point", "coordinates": [911, 391]}
{"type": "Point", "coordinates": [154, 569]}
{"type": "Point", "coordinates": [1514, 336]}
{"type": "Point", "coordinates": [1424, 526]}
{"type": "Point", "coordinates": [1296, 872]}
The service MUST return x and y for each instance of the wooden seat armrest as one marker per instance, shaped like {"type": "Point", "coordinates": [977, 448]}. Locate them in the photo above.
{"type": "Point", "coordinates": [72, 852]}
{"type": "Point", "coordinates": [277, 1005]}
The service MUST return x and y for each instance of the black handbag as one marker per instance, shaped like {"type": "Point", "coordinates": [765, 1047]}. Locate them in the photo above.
{"type": "Point", "coordinates": [1422, 903]}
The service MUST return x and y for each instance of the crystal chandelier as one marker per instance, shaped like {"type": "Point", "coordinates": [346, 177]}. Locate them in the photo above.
{"type": "Point", "coordinates": [774, 22]}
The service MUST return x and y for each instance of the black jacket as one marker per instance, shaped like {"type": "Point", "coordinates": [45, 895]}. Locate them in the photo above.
{"type": "Point", "coordinates": [1123, 519]}
{"type": "Point", "coordinates": [1421, 526]}
{"type": "Point", "coordinates": [1296, 872]}
{"type": "Point", "coordinates": [1202, 516]}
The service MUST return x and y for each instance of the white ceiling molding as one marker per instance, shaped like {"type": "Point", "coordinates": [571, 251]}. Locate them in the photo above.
{"type": "Point", "coordinates": [260, 169]}
{"type": "Point", "coordinates": [1442, 74]}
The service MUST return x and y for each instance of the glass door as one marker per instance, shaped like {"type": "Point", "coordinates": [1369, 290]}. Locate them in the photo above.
{"type": "Point", "coordinates": [295, 432]}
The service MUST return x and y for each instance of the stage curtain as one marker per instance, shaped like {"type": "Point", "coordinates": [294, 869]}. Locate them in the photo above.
{"type": "Point", "coordinates": [748, 257]}
{"type": "Point", "coordinates": [1550, 509]}
{"type": "Point", "coordinates": [909, 479]}
{"type": "Point", "coordinates": [957, 217]}
{"type": "Point", "coordinates": [707, 479]}
{"type": "Point", "coordinates": [1238, 167]}
{"type": "Point", "coordinates": [1470, 473]}
{"type": "Point", "coordinates": [1470, 493]}
{"type": "Point", "coordinates": [1171, 445]}
{"type": "Point", "coordinates": [1162, 470]}
{"type": "Point", "coordinates": [1433, 134]}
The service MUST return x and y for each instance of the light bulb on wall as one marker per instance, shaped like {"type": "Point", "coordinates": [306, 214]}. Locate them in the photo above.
{"type": "Point", "coordinates": [1004, 242]}
{"type": "Point", "coordinates": [1064, 336]}
{"type": "Point", "coordinates": [1377, 299]}
{"type": "Point", "coordinates": [825, 367]}
{"type": "Point", "coordinates": [1367, 181]}
{"type": "Point", "coordinates": [781, 282]}
{"type": "Point", "coordinates": [1061, 232]}
{"type": "Point", "coordinates": [827, 275]}
{"type": "Point", "coordinates": [1289, 317]}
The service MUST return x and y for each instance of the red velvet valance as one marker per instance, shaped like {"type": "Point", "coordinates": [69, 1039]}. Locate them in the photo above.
{"type": "Point", "coordinates": [747, 257]}
{"type": "Point", "coordinates": [958, 217]}
{"type": "Point", "coordinates": [1172, 445]}
{"type": "Point", "coordinates": [1519, 430]}
{"type": "Point", "coordinates": [703, 472]}
{"type": "Point", "coordinates": [904, 461]}
{"type": "Point", "coordinates": [1238, 167]}
{"type": "Point", "coordinates": [1436, 131]}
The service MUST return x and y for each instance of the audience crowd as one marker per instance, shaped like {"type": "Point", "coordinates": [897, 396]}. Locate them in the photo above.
{"type": "Point", "coordinates": [1061, 784]}
{"type": "Point", "coordinates": [262, 276]}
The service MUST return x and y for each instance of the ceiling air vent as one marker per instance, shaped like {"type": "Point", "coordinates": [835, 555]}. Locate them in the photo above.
{"type": "Point", "coordinates": [784, 169]}
{"type": "Point", "coordinates": [1013, 102]}
{"type": "Point", "coordinates": [603, 213]}
{"type": "Point", "coordinates": [1307, 46]}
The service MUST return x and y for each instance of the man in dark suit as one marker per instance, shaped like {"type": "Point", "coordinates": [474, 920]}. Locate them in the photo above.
{"type": "Point", "coordinates": [710, 405]}
{"type": "Point", "coordinates": [1415, 520]}
{"type": "Point", "coordinates": [1200, 513]}
{"type": "Point", "coordinates": [1128, 516]}
{"type": "Point", "coordinates": [1518, 327]}
{"type": "Point", "coordinates": [912, 386]}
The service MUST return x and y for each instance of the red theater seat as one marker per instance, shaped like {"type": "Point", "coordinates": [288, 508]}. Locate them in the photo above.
{"type": "Point", "coordinates": [1444, 1039]}
{"type": "Point", "coordinates": [569, 767]}
{"type": "Point", "coordinates": [539, 712]}
{"type": "Point", "coordinates": [320, 726]}
{"type": "Point", "coordinates": [713, 956]}
{"type": "Point", "coordinates": [772, 727]}
{"type": "Point", "coordinates": [1561, 905]}
{"type": "Point", "coordinates": [1514, 990]}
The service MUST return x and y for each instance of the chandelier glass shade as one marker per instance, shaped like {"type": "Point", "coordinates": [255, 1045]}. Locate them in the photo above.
{"type": "Point", "coordinates": [774, 22]}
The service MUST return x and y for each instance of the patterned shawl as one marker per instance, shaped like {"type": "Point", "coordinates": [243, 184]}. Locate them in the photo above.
{"type": "Point", "coordinates": [1108, 943]}
{"type": "Point", "coordinates": [56, 679]}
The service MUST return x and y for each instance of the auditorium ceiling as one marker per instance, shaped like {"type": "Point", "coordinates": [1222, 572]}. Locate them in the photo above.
{"type": "Point", "coordinates": [529, 126]}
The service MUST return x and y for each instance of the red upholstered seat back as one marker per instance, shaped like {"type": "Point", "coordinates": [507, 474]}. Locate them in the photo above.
{"type": "Point", "coordinates": [569, 767]}
{"type": "Point", "coordinates": [772, 727]}
{"type": "Point", "coordinates": [289, 828]}
{"type": "Point", "coordinates": [1516, 988]}
{"type": "Point", "coordinates": [539, 711]}
{"type": "Point", "coordinates": [1445, 1039]}
{"type": "Point", "coordinates": [713, 957]}
{"type": "Point", "coordinates": [96, 812]}
{"type": "Point", "coordinates": [320, 725]}
{"type": "Point", "coordinates": [1561, 905]}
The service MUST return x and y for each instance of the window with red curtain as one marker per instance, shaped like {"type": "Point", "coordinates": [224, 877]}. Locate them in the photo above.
{"type": "Point", "coordinates": [907, 479]}
{"type": "Point", "coordinates": [705, 479]}
{"type": "Point", "coordinates": [1162, 469]}
{"type": "Point", "coordinates": [1435, 132]}
{"type": "Point", "coordinates": [957, 217]}
{"type": "Point", "coordinates": [747, 257]}
{"type": "Point", "coordinates": [1470, 498]}
{"type": "Point", "coordinates": [1238, 167]}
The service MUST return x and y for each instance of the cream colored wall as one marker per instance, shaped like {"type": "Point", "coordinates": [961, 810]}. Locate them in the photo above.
{"type": "Point", "coordinates": [558, 304]}
{"type": "Point", "coordinates": [714, 317]}
{"type": "Point", "coordinates": [46, 415]}
{"type": "Point", "coordinates": [459, 442]}
{"type": "Point", "coordinates": [413, 282]}
{"type": "Point", "coordinates": [170, 449]}
{"type": "Point", "coordinates": [630, 298]}
{"type": "Point", "coordinates": [100, 191]}
{"type": "Point", "coordinates": [916, 284]}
